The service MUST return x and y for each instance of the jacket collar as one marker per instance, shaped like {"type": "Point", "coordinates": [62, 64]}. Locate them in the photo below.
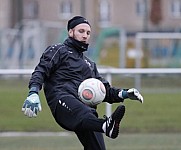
{"type": "Point", "coordinates": [79, 46]}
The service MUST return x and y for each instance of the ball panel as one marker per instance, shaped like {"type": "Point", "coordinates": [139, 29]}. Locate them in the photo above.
{"type": "Point", "coordinates": [92, 91]}
{"type": "Point", "coordinates": [87, 94]}
{"type": "Point", "coordinates": [102, 87]}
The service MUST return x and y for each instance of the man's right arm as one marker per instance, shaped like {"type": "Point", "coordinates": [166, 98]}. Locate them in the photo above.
{"type": "Point", "coordinates": [48, 62]}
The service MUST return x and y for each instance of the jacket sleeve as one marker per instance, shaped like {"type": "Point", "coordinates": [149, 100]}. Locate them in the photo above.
{"type": "Point", "coordinates": [48, 62]}
{"type": "Point", "coordinates": [111, 92]}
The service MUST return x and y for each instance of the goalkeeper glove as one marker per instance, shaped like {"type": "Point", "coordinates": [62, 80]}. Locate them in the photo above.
{"type": "Point", "coordinates": [32, 105]}
{"type": "Point", "coordinates": [132, 94]}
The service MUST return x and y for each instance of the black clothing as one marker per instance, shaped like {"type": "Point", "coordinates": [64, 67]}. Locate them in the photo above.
{"type": "Point", "coordinates": [76, 115]}
{"type": "Point", "coordinates": [76, 21]}
{"type": "Point", "coordinates": [73, 115]}
{"type": "Point", "coordinates": [91, 140]}
{"type": "Point", "coordinates": [61, 69]}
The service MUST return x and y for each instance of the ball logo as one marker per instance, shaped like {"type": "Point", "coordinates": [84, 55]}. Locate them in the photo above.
{"type": "Point", "coordinates": [87, 94]}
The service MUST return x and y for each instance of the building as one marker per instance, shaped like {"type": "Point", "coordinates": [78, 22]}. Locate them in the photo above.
{"type": "Point", "coordinates": [131, 15]}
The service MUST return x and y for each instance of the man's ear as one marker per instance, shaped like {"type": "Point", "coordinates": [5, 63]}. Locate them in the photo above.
{"type": "Point", "coordinates": [70, 32]}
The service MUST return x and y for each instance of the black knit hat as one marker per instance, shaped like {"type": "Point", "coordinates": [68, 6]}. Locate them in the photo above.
{"type": "Point", "coordinates": [75, 21]}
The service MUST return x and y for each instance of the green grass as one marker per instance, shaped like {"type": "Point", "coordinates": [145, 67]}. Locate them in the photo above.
{"type": "Point", "coordinates": [159, 113]}
{"type": "Point", "coordinates": [12, 96]}
{"type": "Point", "coordinates": [124, 142]}
{"type": "Point", "coordinates": [154, 125]}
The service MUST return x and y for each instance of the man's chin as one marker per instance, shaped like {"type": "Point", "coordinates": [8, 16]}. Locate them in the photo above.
{"type": "Point", "coordinates": [84, 42]}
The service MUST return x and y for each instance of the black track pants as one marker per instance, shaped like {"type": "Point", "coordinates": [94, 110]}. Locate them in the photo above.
{"type": "Point", "coordinates": [91, 140]}
{"type": "Point", "coordinates": [73, 115]}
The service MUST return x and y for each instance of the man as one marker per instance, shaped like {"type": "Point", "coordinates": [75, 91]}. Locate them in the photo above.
{"type": "Point", "coordinates": [61, 69]}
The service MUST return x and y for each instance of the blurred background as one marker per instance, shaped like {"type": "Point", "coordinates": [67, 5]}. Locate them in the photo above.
{"type": "Point", "coordinates": [134, 34]}
{"type": "Point", "coordinates": [27, 27]}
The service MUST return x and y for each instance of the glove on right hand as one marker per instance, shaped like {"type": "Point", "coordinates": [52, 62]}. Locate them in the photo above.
{"type": "Point", "coordinates": [32, 105]}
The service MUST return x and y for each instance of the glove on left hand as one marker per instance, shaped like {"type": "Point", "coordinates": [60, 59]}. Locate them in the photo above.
{"type": "Point", "coordinates": [135, 95]}
{"type": "Point", "coordinates": [132, 93]}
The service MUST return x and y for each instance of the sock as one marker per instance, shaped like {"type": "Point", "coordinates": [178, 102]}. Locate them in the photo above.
{"type": "Point", "coordinates": [104, 127]}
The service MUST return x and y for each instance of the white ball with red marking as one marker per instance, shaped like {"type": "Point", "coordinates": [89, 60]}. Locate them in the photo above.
{"type": "Point", "coordinates": [91, 91]}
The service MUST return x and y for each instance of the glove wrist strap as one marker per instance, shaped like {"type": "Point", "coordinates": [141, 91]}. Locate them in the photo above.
{"type": "Point", "coordinates": [33, 90]}
{"type": "Point", "coordinates": [123, 94]}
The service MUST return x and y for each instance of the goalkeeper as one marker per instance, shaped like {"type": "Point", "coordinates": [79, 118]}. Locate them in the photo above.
{"type": "Point", "coordinates": [61, 69]}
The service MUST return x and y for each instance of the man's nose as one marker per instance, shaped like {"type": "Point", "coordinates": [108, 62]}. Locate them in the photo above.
{"type": "Point", "coordinates": [85, 35]}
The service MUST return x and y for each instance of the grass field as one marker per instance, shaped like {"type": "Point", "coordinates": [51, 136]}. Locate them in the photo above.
{"type": "Point", "coordinates": [154, 125]}
{"type": "Point", "coordinates": [159, 141]}
{"type": "Point", "coordinates": [159, 113]}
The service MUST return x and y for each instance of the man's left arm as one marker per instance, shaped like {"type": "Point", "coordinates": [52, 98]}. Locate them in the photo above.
{"type": "Point", "coordinates": [115, 95]}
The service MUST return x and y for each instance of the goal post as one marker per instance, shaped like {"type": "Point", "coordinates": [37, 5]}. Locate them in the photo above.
{"type": "Point", "coordinates": [163, 48]}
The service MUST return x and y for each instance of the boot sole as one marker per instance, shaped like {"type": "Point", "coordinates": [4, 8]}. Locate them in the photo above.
{"type": "Point", "coordinates": [118, 115]}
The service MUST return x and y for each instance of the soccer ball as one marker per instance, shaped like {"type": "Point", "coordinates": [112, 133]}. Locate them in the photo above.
{"type": "Point", "coordinates": [91, 91]}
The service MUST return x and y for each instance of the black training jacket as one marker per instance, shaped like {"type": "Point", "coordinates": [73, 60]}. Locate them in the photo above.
{"type": "Point", "coordinates": [62, 68]}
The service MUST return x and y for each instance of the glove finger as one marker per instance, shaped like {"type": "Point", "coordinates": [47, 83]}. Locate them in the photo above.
{"type": "Point", "coordinates": [138, 95]}
{"type": "Point", "coordinates": [24, 107]}
{"type": "Point", "coordinates": [28, 112]}
{"type": "Point", "coordinates": [34, 115]}
{"type": "Point", "coordinates": [140, 98]}
{"type": "Point", "coordinates": [32, 107]}
{"type": "Point", "coordinates": [39, 107]}
{"type": "Point", "coordinates": [35, 112]}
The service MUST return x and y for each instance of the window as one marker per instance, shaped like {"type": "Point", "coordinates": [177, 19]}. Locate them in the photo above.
{"type": "Point", "coordinates": [176, 8]}
{"type": "Point", "coordinates": [65, 9]}
{"type": "Point", "coordinates": [104, 14]}
{"type": "Point", "coordinates": [30, 9]}
{"type": "Point", "coordinates": [140, 8]}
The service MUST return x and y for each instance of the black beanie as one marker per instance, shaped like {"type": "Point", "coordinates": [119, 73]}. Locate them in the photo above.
{"type": "Point", "coordinates": [75, 21]}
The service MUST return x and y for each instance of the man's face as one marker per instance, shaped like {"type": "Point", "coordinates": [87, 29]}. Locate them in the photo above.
{"type": "Point", "coordinates": [81, 32]}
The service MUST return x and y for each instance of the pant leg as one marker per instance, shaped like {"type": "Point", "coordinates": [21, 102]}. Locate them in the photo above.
{"type": "Point", "coordinates": [91, 140]}
{"type": "Point", "coordinates": [72, 115]}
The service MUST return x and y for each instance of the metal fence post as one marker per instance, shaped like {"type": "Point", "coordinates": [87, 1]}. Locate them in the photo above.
{"type": "Point", "coordinates": [108, 106]}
